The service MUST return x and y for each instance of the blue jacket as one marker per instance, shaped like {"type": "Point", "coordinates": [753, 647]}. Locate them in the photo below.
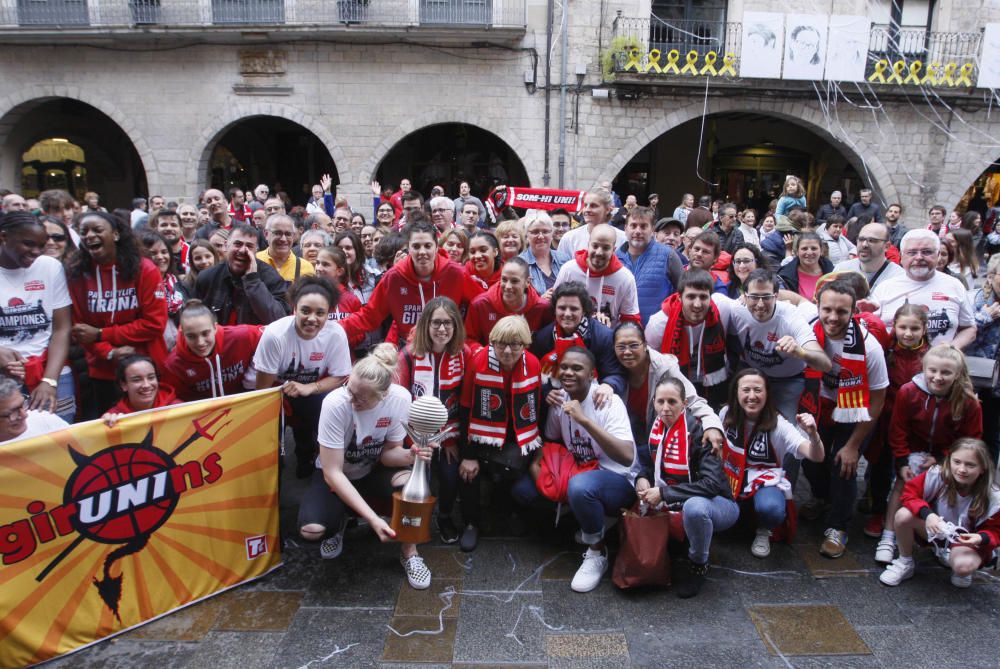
{"type": "Point", "coordinates": [773, 246]}
{"type": "Point", "coordinates": [558, 259]}
{"type": "Point", "coordinates": [786, 202]}
{"type": "Point", "coordinates": [652, 276]}
{"type": "Point", "coordinates": [600, 342]}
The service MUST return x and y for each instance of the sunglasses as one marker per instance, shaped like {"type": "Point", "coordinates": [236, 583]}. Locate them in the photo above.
{"type": "Point", "coordinates": [58, 238]}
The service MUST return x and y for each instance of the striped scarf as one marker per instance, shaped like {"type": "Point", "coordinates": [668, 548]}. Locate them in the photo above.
{"type": "Point", "coordinates": [669, 450]}
{"type": "Point", "coordinates": [492, 410]}
{"type": "Point", "coordinates": [853, 394]}
{"type": "Point", "coordinates": [450, 371]}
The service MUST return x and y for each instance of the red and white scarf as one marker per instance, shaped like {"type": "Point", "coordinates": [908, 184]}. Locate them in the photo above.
{"type": "Point", "coordinates": [853, 394]}
{"type": "Point", "coordinates": [450, 372]}
{"type": "Point", "coordinates": [752, 458]}
{"type": "Point", "coordinates": [492, 410]}
{"type": "Point", "coordinates": [561, 344]}
{"type": "Point", "coordinates": [711, 349]}
{"type": "Point", "coordinates": [669, 449]}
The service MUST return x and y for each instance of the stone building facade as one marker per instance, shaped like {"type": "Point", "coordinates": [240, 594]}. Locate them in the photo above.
{"type": "Point", "coordinates": [174, 88]}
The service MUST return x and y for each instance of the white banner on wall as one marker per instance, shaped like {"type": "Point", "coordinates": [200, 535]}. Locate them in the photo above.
{"type": "Point", "coordinates": [989, 62]}
{"type": "Point", "coordinates": [847, 48]}
{"type": "Point", "coordinates": [763, 40]}
{"type": "Point", "coordinates": [805, 46]}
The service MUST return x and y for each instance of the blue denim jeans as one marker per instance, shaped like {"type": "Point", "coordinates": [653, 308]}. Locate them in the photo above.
{"type": "Point", "coordinates": [66, 396]}
{"type": "Point", "coordinates": [769, 503]}
{"type": "Point", "coordinates": [703, 516]}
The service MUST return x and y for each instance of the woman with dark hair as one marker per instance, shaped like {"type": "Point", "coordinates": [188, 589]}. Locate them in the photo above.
{"type": "Point", "coordinates": [360, 280]}
{"type": "Point", "coordinates": [484, 258]}
{"type": "Point", "coordinates": [60, 244]}
{"type": "Point", "coordinates": [307, 354]}
{"type": "Point", "coordinates": [513, 295]}
{"type": "Point", "coordinates": [118, 309]}
{"type": "Point", "coordinates": [140, 387]}
{"type": "Point", "coordinates": [757, 440]}
{"type": "Point", "coordinates": [746, 258]}
{"type": "Point", "coordinates": [153, 246]}
{"type": "Point", "coordinates": [35, 316]}
{"type": "Point", "coordinates": [809, 264]}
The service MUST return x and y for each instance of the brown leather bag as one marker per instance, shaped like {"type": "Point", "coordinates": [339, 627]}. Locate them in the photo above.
{"type": "Point", "coordinates": [643, 559]}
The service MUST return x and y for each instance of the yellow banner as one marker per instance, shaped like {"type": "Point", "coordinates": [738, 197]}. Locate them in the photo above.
{"type": "Point", "coordinates": [103, 529]}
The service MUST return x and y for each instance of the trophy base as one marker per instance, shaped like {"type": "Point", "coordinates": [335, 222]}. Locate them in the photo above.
{"type": "Point", "coordinates": [411, 521]}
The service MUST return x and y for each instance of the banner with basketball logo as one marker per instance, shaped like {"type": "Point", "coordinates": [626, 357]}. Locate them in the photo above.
{"type": "Point", "coordinates": [103, 529]}
{"type": "Point", "coordinates": [534, 198]}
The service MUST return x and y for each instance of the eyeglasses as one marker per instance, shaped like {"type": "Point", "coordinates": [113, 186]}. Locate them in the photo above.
{"type": "Point", "coordinates": [15, 414]}
{"type": "Point", "coordinates": [744, 261]}
{"type": "Point", "coordinates": [367, 236]}
{"type": "Point", "coordinates": [760, 298]}
{"type": "Point", "coordinates": [281, 233]}
{"type": "Point", "coordinates": [621, 348]}
{"type": "Point", "coordinates": [57, 238]}
{"type": "Point", "coordinates": [442, 324]}
{"type": "Point", "coordinates": [560, 224]}
{"type": "Point", "coordinates": [440, 211]}
{"type": "Point", "coordinates": [926, 253]}
{"type": "Point", "coordinates": [508, 346]}
{"type": "Point", "coordinates": [871, 240]}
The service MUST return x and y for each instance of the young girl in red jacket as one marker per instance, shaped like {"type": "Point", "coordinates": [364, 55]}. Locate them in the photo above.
{"type": "Point", "coordinates": [210, 360]}
{"type": "Point", "coordinates": [933, 410]}
{"type": "Point", "coordinates": [331, 263]}
{"type": "Point", "coordinates": [904, 359]}
{"type": "Point", "coordinates": [955, 506]}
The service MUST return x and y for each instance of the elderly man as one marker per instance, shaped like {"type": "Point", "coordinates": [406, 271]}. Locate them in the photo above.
{"type": "Point", "coordinates": [14, 202]}
{"type": "Point", "coordinates": [656, 267]}
{"type": "Point", "coordinates": [17, 421]}
{"type": "Point", "coordinates": [280, 233]}
{"type": "Point", "coordinates": [241, 290]}
{"type": "Point", "coordinates": [834, 207]}
{"type": "Point", "coordinates": [621, 216]}
{"type": "Point", "coordinates": [443, 214]}
{"type": "Point", "coordinates": [871, 261]}
{"type": "Point", "coordinates": [315, 203]}
{"type": "Point", "coordinates": [611, 287]}
{"type": "Point", "coordinates": [260, 194]}
{"type": "Point", "coordinates": [596, 210]}
{"type": "Point", "coordinates": [865, 207]}
{"type": "Point", "coordinates": [950, 316]}
{"type": "Point", "coordinates": [727, 229]}
{"type": "Point", "coordinates": [218, 211]}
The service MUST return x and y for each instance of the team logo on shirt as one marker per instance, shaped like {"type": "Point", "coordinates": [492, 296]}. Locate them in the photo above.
{"type": "Point", "coordinates": [608, 290]}
{"type": "Point", "coordinates": [315, 356]}
{"type": "Point", "coordinates": [940, 297]}
{"type": "Point", "coordinates": [20, 320]}
{"type": "Point", "coordinates": [37, 284]}
{"type": "Point", "coordinates": [384, 421]}
{"type": "Point", "coordinates": [581, 448]}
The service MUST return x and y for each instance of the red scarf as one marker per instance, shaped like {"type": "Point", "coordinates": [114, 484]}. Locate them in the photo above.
{"type": "Point", "coordinates": [550, 361]}
{"type": "Point", "coordinates": [670, 452]}
{"type": "Point", "coordinates": [711, 348]}
{"type": "Point", "coordinates": [492, 411]}
{"type": "Point", "coordinates": [450, 371]}
{"type": "Point", "coordinates": [853, 394]}
{"type": "Point", "coordinates": [755, 452]}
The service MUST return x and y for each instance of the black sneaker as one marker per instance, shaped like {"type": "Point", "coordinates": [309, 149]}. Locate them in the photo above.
{"type": "Point", "coordinates": [470, 538]}
{"type": "Point", "coordinates": [692, 586]}
{"type": "Point", "coordinates": [447, 530]}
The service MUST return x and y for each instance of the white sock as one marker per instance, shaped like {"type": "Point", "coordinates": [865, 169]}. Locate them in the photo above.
{"type": "Point", "coordinates": [906, 559]}
{"type": "Point", "coordinates": [888, 535]}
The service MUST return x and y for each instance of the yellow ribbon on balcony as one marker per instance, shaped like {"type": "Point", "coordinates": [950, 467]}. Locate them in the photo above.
{"type": "Point", "coordinates": [879, 73]}
{"type": "Point", "coordinates": [914, 75]}
{"type": "Point", "coordinates": [964, 75]}
{"type": "Point", "coordinates": [727, 64]}
{"type": "Point", "coordinates": [931, 74]}
{"type": "Point", "coordinates": [672, 57]}
{"type": "Point", "coordinates": [633, 61]}
{"type": "Point", "coordinates": [897, 73]}
{"type": "Point", "coordinates": [709, 68]}
{"type": "Point", "coordinates": [948, 76]}
{"type": "Point", "coordinates": [692, 59]}
{"type": "Point", "coordinates": [654, 61]}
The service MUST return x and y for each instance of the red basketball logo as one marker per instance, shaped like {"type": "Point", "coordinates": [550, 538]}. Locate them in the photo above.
{"type": "Point", "coordinates": [494, 402]}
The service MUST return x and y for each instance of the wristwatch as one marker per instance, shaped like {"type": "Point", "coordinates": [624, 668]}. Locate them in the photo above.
{"type": "Point", "coordinates": [51, 382]}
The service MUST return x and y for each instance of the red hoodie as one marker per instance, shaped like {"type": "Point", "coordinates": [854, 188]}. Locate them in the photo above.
{"type": "Point", "coordinates": [164, 398]}
{"type": "Point", "coordinates": [488, 308]}
{"type": "Point", "coordinates": [129, 313]}
{"type": "Point", "coordinates": [491, 280]}
{"type": "Point", "coordinates": [401, 295]}
{"type": "Point", "coordinates": [922, 422]}
{"type": "Point", "coordinates": [221, 373]}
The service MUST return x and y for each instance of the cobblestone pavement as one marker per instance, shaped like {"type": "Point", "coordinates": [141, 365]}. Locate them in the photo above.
{"type": "Point", "coordinates": [508, 604]}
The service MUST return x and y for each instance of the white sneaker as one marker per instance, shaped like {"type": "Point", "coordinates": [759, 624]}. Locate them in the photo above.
{"type": "Point", "coordinates": [897, 572]}
{"type": "Point", "coordinates": [761, 546]}
{"type": "Point", "coordinates": [885, 551]}
{"type": "Point", "coordinates": [332, 548]}
{"type": "Point", "coordinates": [961, 581]}
{"type": "Point", "coordinates": [417, 572]}
{"type": "Point", "coordinates": [588, 576]}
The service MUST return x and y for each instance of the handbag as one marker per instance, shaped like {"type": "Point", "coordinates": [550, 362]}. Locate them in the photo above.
{"type": "Point", "coordinates": [557, 467]}
{"type": "Point", "coordinates": [643, 559]}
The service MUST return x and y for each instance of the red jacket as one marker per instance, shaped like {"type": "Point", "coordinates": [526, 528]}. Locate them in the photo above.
{"type": "Point", "coordinates": [927, 489]}
{"type": "Point", "coordinates": [488, 308]}
{"type": "Point", "coordinates": [136, 316]}
{"type": "Point", "coordinates": [164, 397]}
{"type": "Point", "coordinates": [196, 378]}
{"type": "Point", "coordinates": [922, 422]}
{"type": "Point", "coordinates": [401, 295]}
{"type": "Point", "coordinates": [491, 280]}
{"type": "Point", "coordinates": [347, 305]}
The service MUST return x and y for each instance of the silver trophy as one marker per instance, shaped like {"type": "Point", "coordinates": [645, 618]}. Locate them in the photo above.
{"type": "Point", "coordinates": [427, 416]}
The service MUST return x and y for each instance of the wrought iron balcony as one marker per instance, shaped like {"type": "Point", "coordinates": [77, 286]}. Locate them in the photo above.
{"type": "Point", "coordinates": [655, 49]}
{"type": "Point", "coordinates": [77, 16]}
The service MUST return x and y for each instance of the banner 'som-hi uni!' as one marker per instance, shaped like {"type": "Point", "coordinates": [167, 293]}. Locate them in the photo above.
{"type": "Point", "coordinates": [103, 529]}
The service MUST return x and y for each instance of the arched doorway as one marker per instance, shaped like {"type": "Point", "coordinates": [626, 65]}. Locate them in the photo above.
{"type": "Point", "coordinates": [68, 144]}
{"type": "Point", "coordinates": [269, 150]}
{"type": "Point", "coordinates": [742, 157]}
{"type": "Point", "coordinates": [449, 153]}
{"type": "Point", "coordinates": [983, 193]}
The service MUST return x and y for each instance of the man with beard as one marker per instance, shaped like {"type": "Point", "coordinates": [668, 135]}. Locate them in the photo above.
{"type": "Point", "coordinates": [896, 229]}
{"type": "Point", "coordinates": [865, 207]}
{"type": "Point", "coordinates": [611, 287]}
{"type": "Point", "coordinates": [168, 224]}
{"type": "Point", "coordinates": [241, 290]}
{"type": "Point", "coordinates": [656, 267]}
{"type": "Point", "coordinates": [873, 239]}
{"type": "Point", "coordinates": [238, 208]}
{"type": "Point", "coordinates": [596, 210]}
{"type": "Point", "coordinates": [950, 316]}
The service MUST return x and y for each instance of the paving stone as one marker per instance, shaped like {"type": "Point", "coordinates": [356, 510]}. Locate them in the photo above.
{"type": "Point", "coordinates": [865, 602]}
{"type": "Point", "coordinates": [430, 602]}
{"type": "Point", "coordinates": [343, 638]}
{"type": "Point", "coordinates": [701, 654]}
{"type": "Point", "coordinates": [562, 565]}
{"type": "Point", "coordinates": [433, 642]}
{"type": "Point", "coordinates": [237, 650]}
{"type": "Point", "coordinates": [446, 562]}
{"type": "Point", "coordinates": [821, 566]}
{"type": "Point", "coordinates": [501, 628]}
{"type": "Point", "coordinates": [347, 581]}
{"type": "Point", "coordinates": [188, 624]}
{"type": "Point", "coordinates": [258, 610]}
{"type": "Point", "coordinates": [499, 564]}
{"type": "Point", "coordinates": [807, 630]}
{"type": "Point", "coordinates": [505, 665]}
{"type": "Point", "coordinates": [596, 611]}
{"type": "Point", "coordinates": [127, 654]}
{"type": "Point", "coordinates": [586, 645]}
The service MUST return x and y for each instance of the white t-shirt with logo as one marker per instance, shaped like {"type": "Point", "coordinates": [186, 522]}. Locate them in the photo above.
{"type": "Point", "coordinates": [785, 438]}
{"type": "Point", "coordinates": [757, 340]}
{"type": "Point", "coordinates": [613, 417]}
{"type": "Point", "coordinates": [362, 434]}
{"type": "Point", "coordinates": [28, 297]}
{"type": "Point", "coordinates": [283, 352]}
{"type": "Point", "coordinates": [948, 303]}
{"type": "Point", "coordinates": [613, 294]}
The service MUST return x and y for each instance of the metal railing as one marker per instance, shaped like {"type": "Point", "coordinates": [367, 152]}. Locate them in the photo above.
{"type": "Point", "coordinates": [88, 14]}
{"type": "Point", "coordinates": [889, 44]}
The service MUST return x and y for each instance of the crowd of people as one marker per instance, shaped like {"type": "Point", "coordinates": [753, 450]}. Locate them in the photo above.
{"type": "Point", "coordinates": [589, 361]}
